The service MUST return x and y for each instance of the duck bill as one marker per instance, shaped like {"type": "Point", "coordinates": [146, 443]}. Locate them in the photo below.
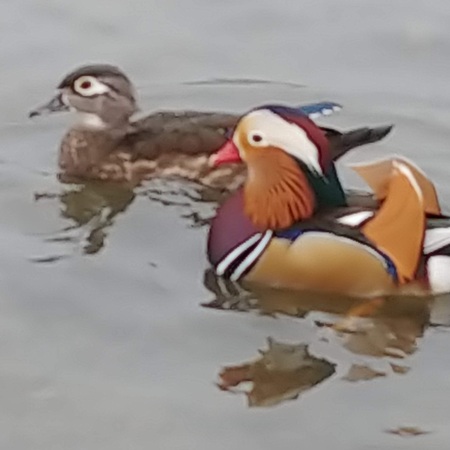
{"type": "Point", "coordinates": [56, 104]}
{"type": "Point", "coordinates": [226, 154]}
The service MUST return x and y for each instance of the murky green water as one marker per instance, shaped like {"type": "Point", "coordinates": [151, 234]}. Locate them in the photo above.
{"type": "Point", "coordinates": [103, 340]}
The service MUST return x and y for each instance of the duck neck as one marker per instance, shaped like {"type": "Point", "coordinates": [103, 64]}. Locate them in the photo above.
{"type": "Point", "coordinates": [113, 125]}
{"type": "Point", "coordinates": [277, 192]}
{"type": "Point", "coordinates": [328, 189]}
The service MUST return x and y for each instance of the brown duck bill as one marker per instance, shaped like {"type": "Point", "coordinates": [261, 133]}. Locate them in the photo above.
{"type": "Point", "coordinates": [228, 153]}
{"type": "Point", "coordinates": [56, 104]}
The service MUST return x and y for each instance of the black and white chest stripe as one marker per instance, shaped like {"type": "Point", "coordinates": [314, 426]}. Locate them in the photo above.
{"type": "Point", "coordinates": [242, 258]}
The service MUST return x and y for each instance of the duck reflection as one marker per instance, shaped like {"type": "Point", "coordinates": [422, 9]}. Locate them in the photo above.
{"type": "Point", "coordinates": [282, 372]}
{"type": "Point", "coordinates": [375, 327]}
{"type": "Point", "coordinates": [384, 328]}
{"type": "Point", "coordinates": [391, 330]}
{"type": "Point", "coordinates": [93, 207]}
{"type": "Point", "coordinates": [229, 295]}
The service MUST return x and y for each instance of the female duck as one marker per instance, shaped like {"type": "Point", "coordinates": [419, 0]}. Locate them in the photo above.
{"type": "Point", "coordinates": [291, 226]}
{"type": "Point", "coordinates": [108, 143]}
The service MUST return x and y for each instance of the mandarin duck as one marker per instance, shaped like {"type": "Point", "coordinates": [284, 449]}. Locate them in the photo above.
{"type": "Point", "coordinates": [291, 226]}
{"type": "Point", "coordinates": [108, 143]}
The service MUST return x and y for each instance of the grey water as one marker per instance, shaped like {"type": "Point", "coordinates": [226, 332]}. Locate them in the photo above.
{"type": "Point", "coordinates": [104, 342]}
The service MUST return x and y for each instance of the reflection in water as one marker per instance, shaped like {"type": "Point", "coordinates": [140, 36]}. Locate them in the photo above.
{"type": "Point", "coordinates": [229, 295]}
{"type": "Point", "coordinates": [407, 431]}
{"type": "Point", "coordinates": [376, 327]}
{"type": "Point", "coordinates": [189, 195]}
{"type": "Point", "coordinates": [93, 207]}
{"type": "Point", "coordinates": [362, 372]}
{"type": "Point", "coordinates": [384, 328]}
{"type": "Point", "coordinates": [281, 373]}
{"type": "Point", "coordinates": [388, 333]}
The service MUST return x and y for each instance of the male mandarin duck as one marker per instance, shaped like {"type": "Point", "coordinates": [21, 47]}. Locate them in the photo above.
{"type": "Point", "coordinates": [108, 143]}
{"type": "Point", "coordinates": [290, 225]}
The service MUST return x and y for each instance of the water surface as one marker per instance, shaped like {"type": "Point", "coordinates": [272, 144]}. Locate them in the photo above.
{"type": "Point", "coordinates": [103, 340]}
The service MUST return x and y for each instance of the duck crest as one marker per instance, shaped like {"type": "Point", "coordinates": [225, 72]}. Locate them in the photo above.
{"type": "Point", "coordinates": [315, 134]}
{"type": "Point", "coordinates": [277, 192]}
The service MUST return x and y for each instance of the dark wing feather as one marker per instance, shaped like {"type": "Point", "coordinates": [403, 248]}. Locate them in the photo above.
{"type": "Point", "coordinates": [341, 143]}
{"type": "Point", "coordinates": [195, 133]}
{"type": "Point", "coordinates": [326, 220]}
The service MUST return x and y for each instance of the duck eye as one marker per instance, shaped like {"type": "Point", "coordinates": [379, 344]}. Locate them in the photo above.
{"type": "Point", "coordinates": [256, 138]}
{"type": "Point", "coordinates": [88, 86]}
{"type": "Point", "coordinates": [85, 85]}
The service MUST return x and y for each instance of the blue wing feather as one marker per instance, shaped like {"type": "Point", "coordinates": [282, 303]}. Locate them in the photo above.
{"type": "Point", "coordinates": [320, 109]}
{"type": "Point", "coordinates": [311, 110]}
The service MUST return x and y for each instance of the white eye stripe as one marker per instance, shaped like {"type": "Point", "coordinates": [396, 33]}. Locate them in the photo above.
{"type": "Point", "coordinates": [88, 86]}
{"type": "Point", "coordinates": [284, 135]}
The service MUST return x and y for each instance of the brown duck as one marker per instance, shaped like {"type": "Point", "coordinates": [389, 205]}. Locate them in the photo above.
{"type": "Point", "coordinates": [108, 143]}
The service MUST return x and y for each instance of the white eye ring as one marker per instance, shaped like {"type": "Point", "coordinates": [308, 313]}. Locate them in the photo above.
{"type": "Point", "coordinates": [88, 86]}
{"type": "Point", "coordinates": [256, 138]}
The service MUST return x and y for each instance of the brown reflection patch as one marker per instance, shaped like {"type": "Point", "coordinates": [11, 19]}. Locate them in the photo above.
{"type": "Point", "coordinates": [281, 373]}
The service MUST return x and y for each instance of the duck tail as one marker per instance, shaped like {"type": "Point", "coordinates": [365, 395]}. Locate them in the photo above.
{"type": "Point", "coordinates": [341, 143]}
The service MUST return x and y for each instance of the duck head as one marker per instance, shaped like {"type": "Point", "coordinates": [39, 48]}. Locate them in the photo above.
{"type": "Point", "coordinates": [290, 171]}
{"type": "Point", "coordinates": [101, 94]}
